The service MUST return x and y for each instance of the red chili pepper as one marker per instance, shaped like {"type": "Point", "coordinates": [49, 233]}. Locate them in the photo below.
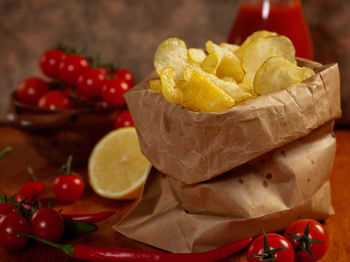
{"type": "Point", "coordinates": [105, 254]}
{"type": "Point", "coordinates": [89, 218]}
{"type": "Point", "coordinates": [31, 189]}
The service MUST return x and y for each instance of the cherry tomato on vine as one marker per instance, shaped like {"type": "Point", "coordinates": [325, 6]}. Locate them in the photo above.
{"type": "Point", "coordinates": [68, 187]}
{"type": "Point", "coordinates": [50, 61]}
{"type": "Point", "coordinates": [10, 226]}
{"type": "Point", "coordinates": [127, 75]}
{"type": "Point", "coordinates": [308, 237]}
{"type": "Point", "coordinates": [270, 246]}
{"type": "Point", "coordinates": [55, 100]}
{"type": "Point", "coordinates": [71, 68]}
{"type": "Point", "coordinates": [30, 90]}
{"type": "Point", "coordinates": [48, 224]}
{"type": "Point", "coordinates": [30, 190]}
{"type": "Point", "coordinates": [7, 208]}
{"type": "Point", "coordinates": [113, 91]}
{"type": "Point", "coordinates": [123, 119]}
{"type": "Point", "coordinates": [90, 83]}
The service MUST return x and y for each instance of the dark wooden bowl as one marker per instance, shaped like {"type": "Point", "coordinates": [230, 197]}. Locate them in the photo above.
{"type": "Point", "coordinates": [57, 134]}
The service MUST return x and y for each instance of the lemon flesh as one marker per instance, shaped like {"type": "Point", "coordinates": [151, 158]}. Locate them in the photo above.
{"type": "Point", "coordinates": [117, 169]}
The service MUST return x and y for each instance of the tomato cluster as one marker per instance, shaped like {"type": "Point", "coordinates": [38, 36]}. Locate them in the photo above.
{"type": "Point", "coordinates": [18, 214]}
{"type": "Point", "coordinates": [76, 81]}
{"type": "Point", "coordinates": [45, 223]}
{"type": "Point", "coordinates": [305, 240]}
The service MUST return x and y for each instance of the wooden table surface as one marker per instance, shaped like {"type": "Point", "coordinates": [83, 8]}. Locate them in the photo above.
{"type": "Point", "coordinates": [14, 174]}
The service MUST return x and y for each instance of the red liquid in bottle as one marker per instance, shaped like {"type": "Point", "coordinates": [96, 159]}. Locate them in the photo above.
{"type": "Point", "coordinates": [281, 17]}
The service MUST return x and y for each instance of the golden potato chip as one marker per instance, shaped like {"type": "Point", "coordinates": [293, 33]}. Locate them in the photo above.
{"type": "Point", "coordinates": [230, 66]}
{"type": "Point", "coordinates": [252, 37]}
{"type": "Point", "coordinates": [248, 89]}
{"type": "Point", "coordinates": [229, 87]}
{"type": "Point", "coordinates": [247, 80]}
{"type": "Point", "coordinates": [169, 81]}
{"type": "Point", "coordinates": [171, 53]}
{"type": "Point", "coordinates": [214, 57]}
{"type": "Point", "coordinates": [277, 73]}
{"type": "Point", "coordinates": [196, 55]}
{"type": "Point", "coordinates": [156, 85]}
{"type": "Point", "coordinates": [200, 94]}
{"type": "Point", "coordinates": [230, 47]}
{"type": "Point", "coordinates": [229, 78]}
{"type": "Point", "coordinates": [222, 62]}
{"type": "Point", "coordinates": [260, 49]}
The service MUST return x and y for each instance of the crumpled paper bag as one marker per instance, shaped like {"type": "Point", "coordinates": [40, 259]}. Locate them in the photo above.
{"type": "Point", "coordinates": [261, 165]}
{"type": "Point", "coordinates": [194, 147]}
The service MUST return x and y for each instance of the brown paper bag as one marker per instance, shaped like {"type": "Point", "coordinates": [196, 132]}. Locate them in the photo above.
{"type": "Point", "coordinates": [274, 155]}
{"type": "Point", "coordinates": [267, 193]}
{"type": "Point", "coordinates": [195, 147]}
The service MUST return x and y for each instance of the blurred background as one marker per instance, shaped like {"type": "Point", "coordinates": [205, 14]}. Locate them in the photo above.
{"type": "Point", "coordinates": [127, 32]}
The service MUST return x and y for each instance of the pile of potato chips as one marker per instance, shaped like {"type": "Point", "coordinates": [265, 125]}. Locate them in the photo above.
{"type": "Point", "coordinates": [225, 75]}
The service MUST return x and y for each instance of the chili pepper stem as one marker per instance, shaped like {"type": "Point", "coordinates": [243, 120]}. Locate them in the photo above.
{"type": "Point", "coordinates": [5, 151]}
{"type": "Point", "coordinates": [68, 249]}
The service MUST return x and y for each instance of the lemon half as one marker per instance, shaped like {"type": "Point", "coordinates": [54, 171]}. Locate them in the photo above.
{"type": "Point", "coordinates": [117, 169]}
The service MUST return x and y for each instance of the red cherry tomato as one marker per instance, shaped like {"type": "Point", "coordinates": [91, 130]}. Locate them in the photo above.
{"type": "Point", "coordinates": [68, 188]}
{"type": "Point", "coordinates": [90, 83]}
{"type": "Point", "coordinates": [10, 226]}
{"type": "Point", "coordinates": [7, 208]}
{"type": "Point", "coordinates": [126, 75]}
{"type": "Point", "coordinates": [50, 61]}
{"type": "Point", "coordinates": [48, 224]}
{"type": "Point", "coordinates": [30, 90]}
{"type": "Point", "coordinates": [113, 91]}
{"type": "Point", "coordinates": [257, 247]}
{"type": "Point", "coordinates": [123, 119]}
{"type": "Point", "coordinates": [71, 68]}
{"type": "Point", "coordinates": [30, 190]}
{"type": "Point", "coordinates": [55, 100]}
{"type": "Point", "coordinates": [316, 231]}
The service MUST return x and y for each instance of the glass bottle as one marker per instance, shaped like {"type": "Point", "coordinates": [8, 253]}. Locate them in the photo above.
{"type": "Point", "coordinates": [285, 17]}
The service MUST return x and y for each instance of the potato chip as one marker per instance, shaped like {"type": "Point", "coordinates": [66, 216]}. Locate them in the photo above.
{"type": "Point", "coordinates": [169, 81]}
{"type": "Point", "coordinates": [278, 73]}
{"type": "Point", "coordinates": [230, 47]}
{"type": "Point", "coordinates": [222, 62]}
{"type": "Point", "coordinates": [248, 89]}
{"type": "Point", "coordinates": [200, 94]}
{"type": "Point", "coordinates": [156, 85]}
{"type": "Point", "coordinates": [229, 87]}
{"type": "Point", "coordinates": [229, 78]}
{"type": "Point", "coordinates": [212, 61]}
{"type": "Point", "coordinates": [171, 53]}
{"type": "Point", "coordinates": [196, 55]}
{"type": "Point", "coordinates": [230, 66]}
{"type": "Point", "coordinates": [260, 49]}
{"type": "Point", "coordinates": [252, 37]}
